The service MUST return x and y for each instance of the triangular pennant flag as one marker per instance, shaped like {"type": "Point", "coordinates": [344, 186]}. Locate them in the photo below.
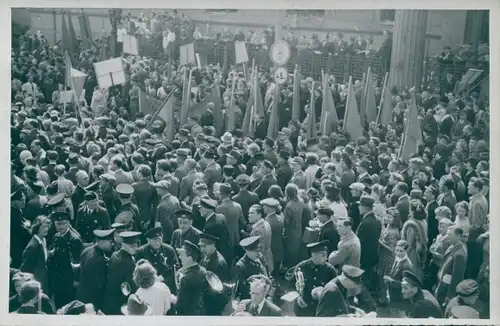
{"type": "Point", "coordinates": [246, 126]}
{"type": "Point", "coordinates": [329, 119]}
{"type": "Point", "coordinates": [272, 128]}
{"type": "Point", "coordinates": [78, 81]}
{"type": "Point", "coordinates": [215, 98]}
{"type": "Point", "coordinates": [186, 94]}
{"type": "Point", "coordinates": [413, 132]}
{"type": "Point", "coordinates": [352, 124]}
{"type": "Point", "coordinates": [65, 36]}
{"type": "Point", "coordinates": [259, 105]}
{"type": "Point", "coordinates": [84, 32]}
{"type": "Point", "coordinates": [72, 35]}
{"type": "Point", "coordinates": [311, 130]}
{"type": "Point", "coordinates": [370, 101]}
{"type": "Point", "coordinates": [296, 94]}
{"type": "Point", "coordinates": [385, 110]}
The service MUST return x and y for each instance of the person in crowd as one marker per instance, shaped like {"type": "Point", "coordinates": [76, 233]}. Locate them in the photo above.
{"type": "Point", "coordinates": [421, 304]}
{"type": "Point", "coordinates": [150, 290]}
{"type": "Point", "coordinates": [394, 277]}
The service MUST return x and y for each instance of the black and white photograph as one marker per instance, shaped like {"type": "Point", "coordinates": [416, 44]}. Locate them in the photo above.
{"type": "Point", "coordinates": [250, 163]}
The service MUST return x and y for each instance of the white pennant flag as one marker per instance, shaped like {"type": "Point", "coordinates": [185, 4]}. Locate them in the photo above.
{"type": "Point", "coordinates": [78, 80]}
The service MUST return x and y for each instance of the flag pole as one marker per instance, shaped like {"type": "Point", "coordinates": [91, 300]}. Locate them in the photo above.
{"type": "Point", "coordinates": [153, 117]}
{"type": "Point", "coordinates": [382, 97]}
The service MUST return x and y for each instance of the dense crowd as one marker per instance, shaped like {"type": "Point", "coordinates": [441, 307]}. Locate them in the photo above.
{"type": "Point", "coordinates": [109, 217]}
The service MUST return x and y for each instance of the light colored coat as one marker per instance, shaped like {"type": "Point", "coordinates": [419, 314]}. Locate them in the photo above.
{"type": "Point", "coordinates": [262, 228]}
{"type": "Point", "coordinates": [348, 253]}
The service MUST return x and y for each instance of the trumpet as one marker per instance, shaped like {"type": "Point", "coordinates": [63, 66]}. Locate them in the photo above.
{"type": "Point", "coordinates": [300, 282]}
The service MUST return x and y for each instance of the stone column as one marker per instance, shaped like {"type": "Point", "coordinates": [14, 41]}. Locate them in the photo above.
{"type": "Point", "coordinates": [408, 48]}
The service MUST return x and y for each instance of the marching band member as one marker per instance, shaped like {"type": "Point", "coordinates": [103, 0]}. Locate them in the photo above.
{"type": "Point", "coordinates": [311, 276]}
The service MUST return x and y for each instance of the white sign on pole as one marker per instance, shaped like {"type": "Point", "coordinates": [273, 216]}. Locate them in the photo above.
{"type": "Point", "coordinates": [66, 97]}
{"type": "Point", "coordinates": [109, 73]}
{"type": "Point", "coordinates": [280, 53]}
{"type": "Point", "coordinates": [280, 75]}
{"type": "Point", "coordinates": [130, 45]}
{"type": "Point", "coordinates": [187, 54]}
{"type": "Point", "coordinates": [240, 52]}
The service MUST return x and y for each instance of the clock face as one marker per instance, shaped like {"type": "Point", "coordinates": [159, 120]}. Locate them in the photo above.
{"type": "Point", "coordinates": [280, 53]}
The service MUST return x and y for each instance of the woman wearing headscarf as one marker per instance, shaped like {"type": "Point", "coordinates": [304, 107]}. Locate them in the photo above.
{"type": "Point", "coordinates": [414, 231]}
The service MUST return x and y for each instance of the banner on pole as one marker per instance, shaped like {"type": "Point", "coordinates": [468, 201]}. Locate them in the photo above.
{"type": "Point", "coordinates": [66, 97]}
{"type": "Point", "coordinates": [130, 44]}
{"type": "Point", "coordinates": [109, 73]}
{"type": "Point", "coordinates": [240, 51]}
{"type": "Point", "coordinates": [187, 54]}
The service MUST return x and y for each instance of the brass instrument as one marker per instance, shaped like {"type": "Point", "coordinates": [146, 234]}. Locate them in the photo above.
{"type": "Point", "coordinates": [125, 289]}
{"type": "Point", "coordinates": [299, 282]}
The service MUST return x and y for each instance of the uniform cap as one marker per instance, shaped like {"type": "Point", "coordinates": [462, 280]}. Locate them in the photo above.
{"type": "Point", "coordinates": [184, 213]}
{"type": "Point", "coordinates": [56, 200]}
{"type": "Point", "coordinates": [208, 203]}
{"type": "Point", "coordinates": [124, 189]}
{"type": "Point", "coordinates": [270, 202]}
{"type": "Point", "coordinates": [318, 246]}
{"type": "Point", "coordinates": [192, 249]}
{"type": "Point", "coordinates": [325, 211]}
{"type": "Point", "coordinates": [154, 232]}
{"type": "Point", "coordinates": [357, 186]}
{"type": "Point", "coordinates": [367, 201]}
{"type": "Point", "coordinates": [412, 279]}
{"type": "Point", "coordinates": [118, 226]}
{"type": "Point", "coordinates": [352, 272]}
{"type": "Point", "coordinates": [208, 238]}
{"type": "Point", "coordinates": [130, 236]}
{"type": "Point", "coordinates": [184, 132]}
{"type": "Point", "coordinates": [250, 243]}
{"type": "Point", "coordinates": [90, 195]}
{"type": "Point", "coordinates": [104, 234]}
{"type": "Point", "coordinates": [464, 312]}
{"type": "Point", "coordinates": [60, 216]}
{"type": "Point", "coordinates": [108, 177]}
{"type": "Point", "coordinates": [75, 307]}
{"type": "Point", "coordinates": [467, 288]}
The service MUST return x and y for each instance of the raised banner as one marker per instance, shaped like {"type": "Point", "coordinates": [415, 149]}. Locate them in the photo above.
{"type": "Point", "coordinates": [240, 51]}
{"type": "Point", "coordinates": [109, 73]}
{"type": "Point", "coordinates": [187, 54]}
{"type": "Point", "coordinates": [130, 44]}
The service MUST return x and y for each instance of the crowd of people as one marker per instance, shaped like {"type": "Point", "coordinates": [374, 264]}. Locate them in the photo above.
{"type": "Point", "coordinates": [108, 217]}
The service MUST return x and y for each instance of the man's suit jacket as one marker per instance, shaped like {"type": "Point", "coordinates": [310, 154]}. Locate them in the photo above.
{"type": "Point", "coordinates": [123, 177]}
{"type": "Point", "coordinates": [216, 225]}
{"type": "Point", "coordinates": [348, 253]}
{"type": "Point", "coordinates": [269, 309]}
{"type": "Point", "coordinates": [246, 199]}
{"type": "Point", "coordinates": [332, 301]}
{"type": "Point", "coordinates": [35, 262]}
{"type": "Point", "coordinates": [328, 231]}
{"type": "Point", "coordinates": [277, 225]}
{"type": "Point", "coordinates": [403, 206]}
{"type": "Point", "coordinates": [263, 229]}
{"type": "Point", "coordinates": [271, 156]}
{"type": "Point", "coordinates": [284, 175]}
{"type": "Point", "coordinates": [299, 179]}
{"type": "Point", "coordinates": [165, 215]}
{"type": "Point", "coordinates": [174, 184]}
{"type": "Point", "coordinates": [396, 274]}
{"type": "Point", "coordinates": [146, 197]}
{"type": "Point", "coordinates": [451, 272]}
{"type": "Point", "coordinates": [266, 183]}
{"type": "Point", "coordinates": [213, 174]}
{"type": "Point", "coordinates": [186, 188]}
{"type": "Point", "coordinates": [234, 219]}
{"type": "Point", "coordinates": [369, 233]}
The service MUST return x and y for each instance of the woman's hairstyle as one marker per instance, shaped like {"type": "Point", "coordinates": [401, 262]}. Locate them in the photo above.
{"type": "Point", "coordinates": [464, 205]}
{"type": "Point", "coordinates": [38, 222]}
{"type": "Point", "coordinates": [275, 192]}
{"type": "Point", "coordinates": [403, 244]}
{"type": "Point", "coordinates": [378, 189]}
{"type": "Point", "coordinates": [418, 210]}
{"type": "Point", "coordinates": [292, 191]}
{"type": "Point", "coordinates": [443, 211]}
{"type": "Point", "coordinates": [144, 275]}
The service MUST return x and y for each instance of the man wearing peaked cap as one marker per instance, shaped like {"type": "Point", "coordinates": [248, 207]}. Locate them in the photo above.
{"type": "Point", "coordinates": [334, 299]}
{"type": "Point", "coordinates": [186, 230]}
{"type": "Point", "coordinates": [316, 272]}
{"type": "Point", "coordinates": [368, 233]}
{"type": "Point", "coordinates": [244, 197]}
{"type": "Point", "coordinates": [422, 303]}
{"type": "Point", "coordinates": [120, 272]}
{"type": "Point", "coordinates": [128, 213]}
{"type": "Point", "coordinates": [250, 264]}
{"type": "Point", "coordinates": [467, 295]}
{"type": "Point", "coordinates": [90, 216]}
{"type": "Point", "coordinates": [60, 268]}
{"type": "Point", "coordinates": [161, 255]}
{"type": "Point", "coordinates": [93, 268]}
{"type": "Point", "coordinates": [328, 231]}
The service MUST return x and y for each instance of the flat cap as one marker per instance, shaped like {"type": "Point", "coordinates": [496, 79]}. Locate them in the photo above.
{"type": "Point", "coordinates": [352, 271]}
{"type": "Point", "coordinates": [270, 202]}
{"type": "Point", "coordinates": [367, 201]}
{"type": "Point", "coordinates": [364, 163]}
{"type": "Point", "coordinates": [108, 177]}
{"type": "Point", "coordinates": [235, 154]}
{"type": "Point", "coordinates": [163, 184]}
{"type": "Point", "coordinates": [225, 189]}
{"type": "Point", "coordinates": [467, 288]}
{"type": "Point", "coordinates": [208, 203]}
{"type": "Point", "coordinates": [243, 180]}
{"type": "Point", "coordinates": [182, 152]}
{"type": "Point", "coordinates": [250, 243]}
{"type": "Point", "coordinates": [357, 186]}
